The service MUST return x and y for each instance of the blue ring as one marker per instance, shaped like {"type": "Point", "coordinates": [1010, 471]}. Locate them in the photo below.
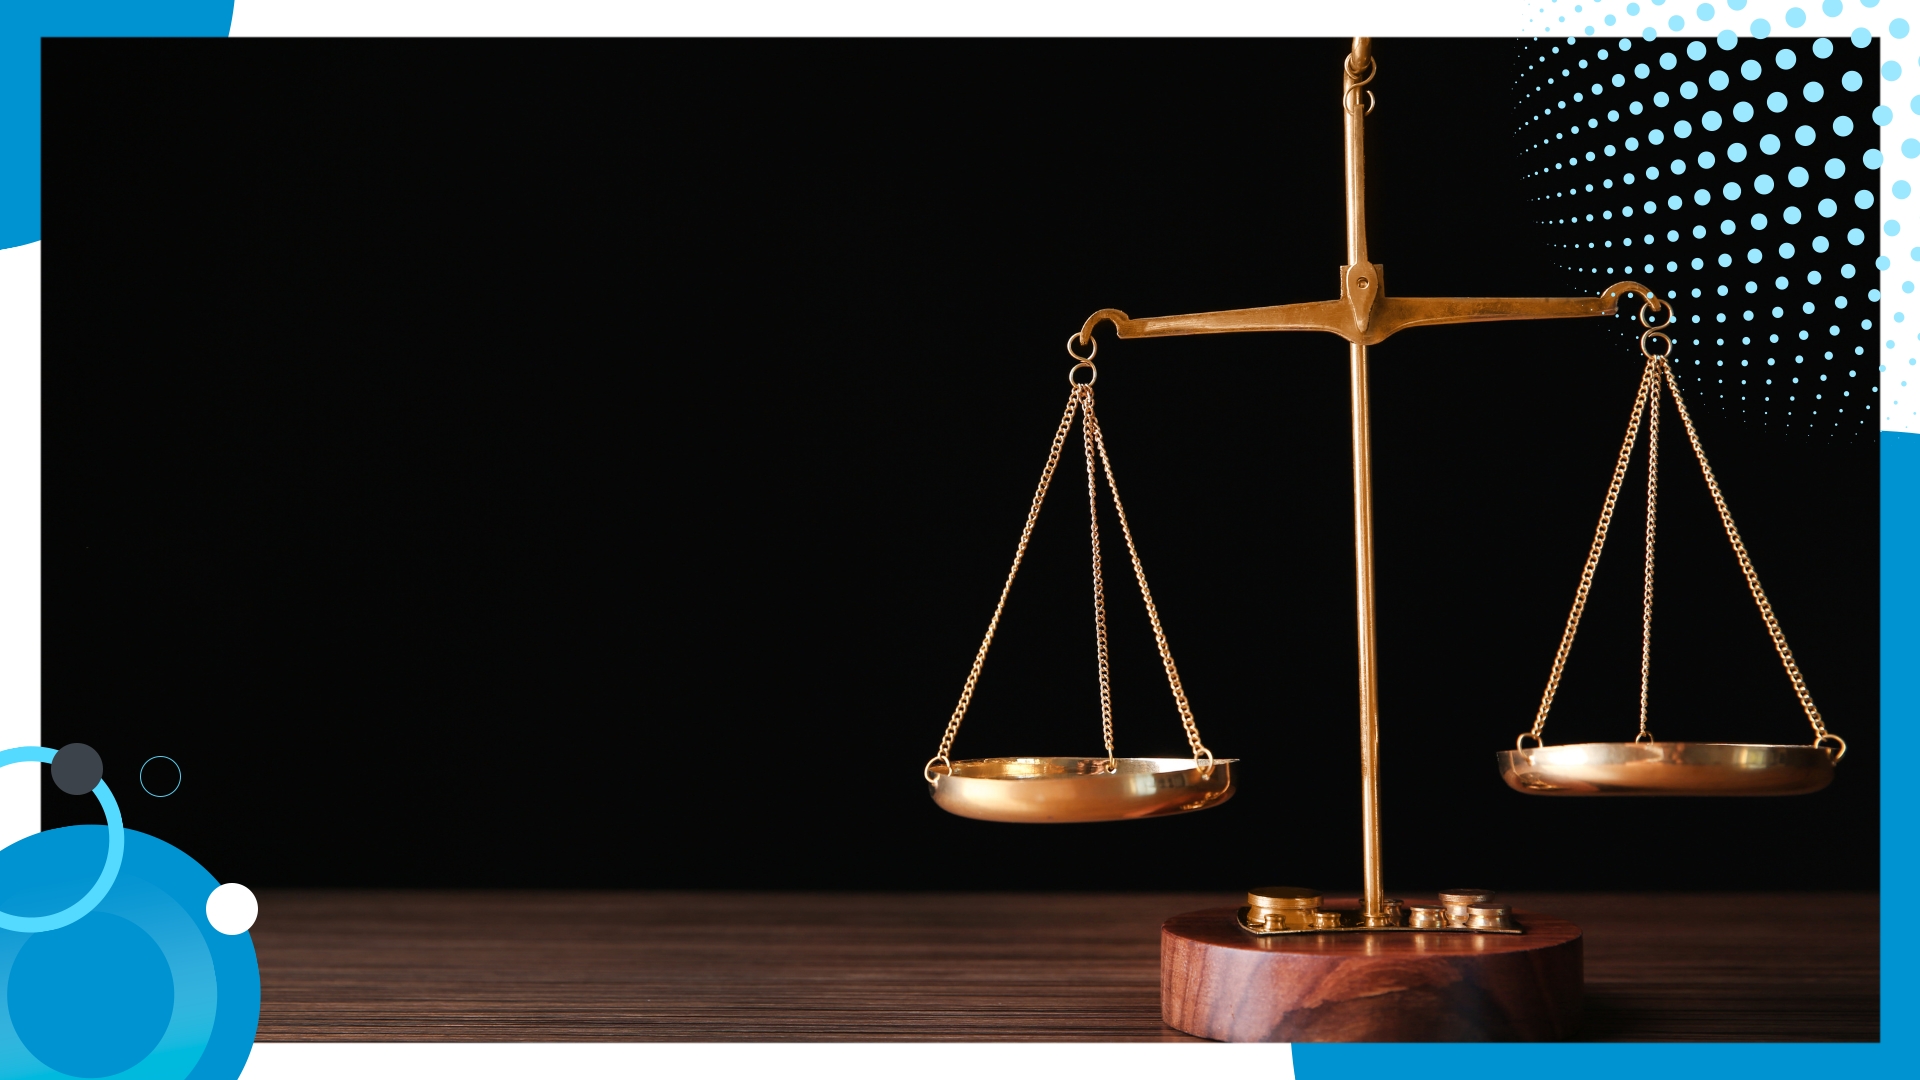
{"type": "Point", "coordinates": [178, 780]}
{"type": "Point", "coordinates": [116, 849]}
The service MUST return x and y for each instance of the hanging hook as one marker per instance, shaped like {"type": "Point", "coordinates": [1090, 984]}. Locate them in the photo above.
{"type": "Point", "coordinates": [1654, 303]}
{"type": "Point", "coordinates": [1843, 746]}
{"type": "Point", "coordinates": [1083, 362]}
{"type": "Point", "coordinates": [1360, 60]}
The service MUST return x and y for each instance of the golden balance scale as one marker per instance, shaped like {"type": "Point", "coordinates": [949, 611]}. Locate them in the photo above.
{"type": "Point", "coordinates": [1290, 964]}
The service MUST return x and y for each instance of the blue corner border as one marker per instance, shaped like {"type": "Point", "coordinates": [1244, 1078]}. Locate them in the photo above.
{"type": "Point", "coordinates": [22, 24]}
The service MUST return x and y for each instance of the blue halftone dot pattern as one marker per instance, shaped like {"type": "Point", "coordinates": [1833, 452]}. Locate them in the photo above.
{"type": "Point", "coordinates": [1773, 194]}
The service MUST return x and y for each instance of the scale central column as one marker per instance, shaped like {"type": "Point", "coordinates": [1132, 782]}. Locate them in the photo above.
{"type": "Point", "coordinates": [1373, 912]}
{"type": "Point", "coordinates": [1353, 105]}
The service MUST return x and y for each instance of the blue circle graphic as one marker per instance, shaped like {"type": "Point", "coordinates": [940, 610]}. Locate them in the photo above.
{"type": "Point", "coordinates": [179, 775]}
{"type": "Point", "coordinates": [56, 977]}
{"type": "Point", "coordinates": [83, 1000]}
{"type": "Point", "coordinates": [116, 845]}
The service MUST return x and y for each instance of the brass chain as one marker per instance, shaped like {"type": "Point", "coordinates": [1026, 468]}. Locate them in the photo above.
{"type": "Point", "coordinates": [1085, 395]}
{"type": "Point", "coordinates": [1146, 595]}
{"type": "Point", "coordinates": [1820, 733]}
{"type": "Point", "coordinates": [1080, 400]}
{"type": "Point", "coordinates": [1593, 558]}
{"type": "Point", "coordinates": [1658, 369]}
{"type": "Point", "coordinates": [1019, 553]}
{"type": "Point", "coordinates": [1646, 591]}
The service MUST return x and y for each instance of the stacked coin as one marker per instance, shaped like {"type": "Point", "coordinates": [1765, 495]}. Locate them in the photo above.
{"type": "Point", "coordinates": [1283, 907]}
{"type": "Point", "coordinates": [1428, 915]}
{"type": "Point", "coordinates": [1490, 916]}
{"type": "Point", "coordinates": [1458, 903]}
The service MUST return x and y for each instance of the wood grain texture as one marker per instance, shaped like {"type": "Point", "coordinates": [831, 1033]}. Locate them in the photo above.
{"type": "Point", "coordinates": [1220, 982]}
{"type": "Point", "coordinates": [580, 966]}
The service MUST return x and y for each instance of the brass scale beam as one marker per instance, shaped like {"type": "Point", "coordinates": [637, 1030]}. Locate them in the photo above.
{"type": "Point", "coordinates": [1364, 315]}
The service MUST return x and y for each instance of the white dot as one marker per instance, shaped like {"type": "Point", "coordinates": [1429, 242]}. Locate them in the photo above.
{"type": "Point", "coordinates": [231, 908]}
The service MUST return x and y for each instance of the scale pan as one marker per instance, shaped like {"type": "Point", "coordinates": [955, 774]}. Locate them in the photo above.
{"type": "Point", "coordinates": [1667, 768]}
{"type": "Point", "coordinates": [1064, 789]}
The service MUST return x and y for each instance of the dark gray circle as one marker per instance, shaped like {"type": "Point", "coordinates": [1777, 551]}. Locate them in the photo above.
{"type": "Point", "coordinates": [76, 768]}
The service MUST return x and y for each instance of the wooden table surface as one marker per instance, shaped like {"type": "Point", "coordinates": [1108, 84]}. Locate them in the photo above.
{"type": "Point", "coordinates": [582, 966]}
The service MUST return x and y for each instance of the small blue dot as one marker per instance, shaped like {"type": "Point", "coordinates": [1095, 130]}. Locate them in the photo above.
{"type": "Point", "coordinates": [1882, 115]}
{"type": "Point", "coordinates": [1777, 102]}
{"type": "Point", "coordinates": [1843, 126]}
{"type": "Point", "coordinates": [1718, 80]}
{"type": "Point", "coordinates": [1856, 237]}
{"type": "Point", "coordinates": [1725, 259]}
{"type": "Point", "coordinates": [1769, 144]}
{"type": "Point", "coordinates": [1828, 208]}
{"type": "Point", "coordinates": [1786, 251]}
{"type": "Point", "coordinates": [1796, 18]}
{"type": "Point", "coordinates": [1695, 50]}
{"type": "Point", "coordinates": [1675, 23]}
{"type": "Point", "coordinates": [1910, 148]}
{"type": "Point", "coordinates": [1761, 28]}
{"type": "Point", "coordinates": [1763, 184]}
{"type": "Point", "coordinates": [1893, 228]}
{"type": "Point", "coordinates": [1898, 28]}
{"type": "Point", "coordinates": [1813, 91]}
{"type": "Point", "coordinates": [1905, 286]}
{"type": "Point", "coordinates": [1861, 39]}
{"type": "Point", "coordinates": [1743, 111]}
{"type": "Point", "coordinates": [1641, 71]}
{"type": "Point", "coordinates": [1797, 176]}
{"type": "Point", "coordinates": [1785, 58]}
{"type": "Point", "coordinates": [1804, 135]}
{"type": "Point", "coordinates": [1705, 14]}
{"type": "Point", "coordinates": [1711, 121]}
{"type": "Point", "coordinates": [1737, 152]}
{"type": "Point", "coordinates": [1702, 197]}
{"type": "Point", "coordinates": [1689, 90]}
{"type": "Point", "coordinates": [1890, 70]}
{"type": "Point", "coordinates": [1791, 215]}
{"type": "Point", "coordinates": [1852, 81]}
{"type": "Point", "coordinates": [1753, 256]}
{"type": "Point", "coordinates": [1831, 7]}
{"type": "Point", "coordinates": [1902, 189]}
{"type": "Point", "coordinates": [1864, 200]}
{"type": "Point", "coordinates": [1632, 9]}
{"type": "Point", "coordinates": [1608, 20]}
{"type": "Point", "coordinates": [1822, 48]}
{"type": "Point", "coordinates": [1682, 129]}
{"type": "Point", "coordinates": [1730, 191]}
{"type": "Point", "coordinates": [1820, 243]}
{"type": "Point", "coordinates": [1649, 33]}
{"type": "Point", "coordinates": [1726, 39]}
{"type": "Point", "coordinates": [1749, 71]}
{"type": "Point", "coordinates": [1757, 221]}
{"type": "Point", "coordinates": [1872, 159]}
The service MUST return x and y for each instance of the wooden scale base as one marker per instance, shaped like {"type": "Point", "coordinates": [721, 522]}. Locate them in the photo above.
{"type": "Point", "coordinates": [1218, 981]}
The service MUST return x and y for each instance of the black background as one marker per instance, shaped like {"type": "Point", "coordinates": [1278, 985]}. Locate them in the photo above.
{"type": "Point", "coordinates": [593, 463]}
